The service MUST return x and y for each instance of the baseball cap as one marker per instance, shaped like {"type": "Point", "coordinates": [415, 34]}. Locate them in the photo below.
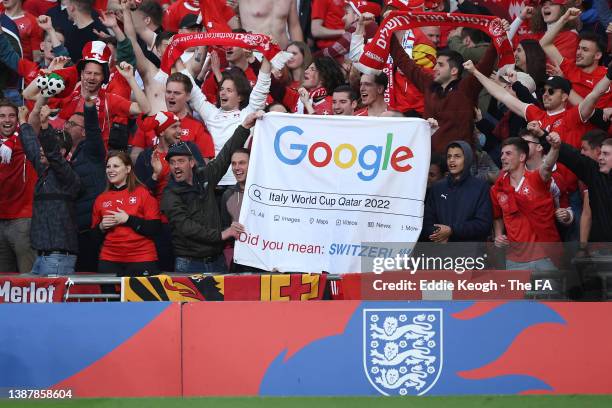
{"type": "Point", "coordinates": [178, 149]}
{"type": "Point", "coordinates": [557, 82]}
{"type": "Point", "coordinates": [190, 21]}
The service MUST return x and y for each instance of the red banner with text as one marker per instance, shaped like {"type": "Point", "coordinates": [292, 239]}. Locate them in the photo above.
{"type": "Point", "coordinates": [32, 290]}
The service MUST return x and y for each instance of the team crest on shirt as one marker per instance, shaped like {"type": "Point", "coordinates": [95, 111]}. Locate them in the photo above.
{"type": "Point", "coordinates": [184, 132]}
{"type": "Point", "coordinates": [107, 204]}
{"type": "Point", "coordinates": [132, 200]}
{"type": "Point", "coordinates": [502, 198]}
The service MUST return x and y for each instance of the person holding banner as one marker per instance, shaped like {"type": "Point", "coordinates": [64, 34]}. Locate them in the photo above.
{"type": "Point", "coordinates": [191, 206]}
{"type": "Point", "coordinates": [236, 101]}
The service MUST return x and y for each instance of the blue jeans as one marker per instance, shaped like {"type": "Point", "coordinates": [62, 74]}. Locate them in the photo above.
{"type": "Point", "coordinates": [539, 265]}
{"type": "Point", "coordinates": [189, 265]}
{"type": "Point", "coordinates": [54, 264]}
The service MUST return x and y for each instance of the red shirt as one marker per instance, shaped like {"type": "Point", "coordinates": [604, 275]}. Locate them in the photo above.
{"type": "Point", "coordinates": [111, 108]}
{"type": "Point", "coordinates": [17, 181]}
{"type": "Point", "coordinates": [30, 33]}
{"type": "Point", "coordinates": [583, 82]}
{"type": "Point", "coordinates": [324, 106]}
{"type": "Point", "coordinates": [191, 131]}
{"type": "Point", "coordinates": [402, 94]}
{"type": "Point", "coordinates": [322, 103]}
{"type": "Point", "coordinates": [39, 7]}
{"type": "Point", "coordinates": [331, 12]}
{"type": "Point", "coordinates": [567, 123]}
{"type": "Point", "coordinates": [122, 243]}
{"type": "Point", "coordinates": [27, 69]}
{"type": "Point", "coordinates": [527, 210]}
{"type": "Point", "coordinates": [570, 179]}
{"type": "Point", "coordinates": [175, 13]}
{"type": "Point", "coordinates": [118, 85]}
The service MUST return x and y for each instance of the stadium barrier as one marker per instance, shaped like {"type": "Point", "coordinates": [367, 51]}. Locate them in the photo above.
{"type": "Point", "coordinates": [590, 279]}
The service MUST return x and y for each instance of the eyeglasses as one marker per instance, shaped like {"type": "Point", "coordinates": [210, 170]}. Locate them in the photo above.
{"type": "Point", "coordinates": [70, 124]}
{"type": "Point", "coordinates": [531, 141]}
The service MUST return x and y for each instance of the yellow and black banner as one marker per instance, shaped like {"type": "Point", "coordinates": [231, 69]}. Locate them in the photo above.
{"type": "Point", "coordinates": [231, 287]}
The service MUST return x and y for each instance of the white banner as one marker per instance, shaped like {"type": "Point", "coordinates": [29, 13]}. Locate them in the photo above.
{"type": "Point", "coordinates": [320, 187]}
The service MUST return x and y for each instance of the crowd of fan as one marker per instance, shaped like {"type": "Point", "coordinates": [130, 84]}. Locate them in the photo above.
{"type": "Point", "coordinates": [124, 170]}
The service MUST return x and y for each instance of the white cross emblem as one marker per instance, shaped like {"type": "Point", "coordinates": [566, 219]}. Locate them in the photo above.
{"type": "Point", "coordinates": [132, 200]}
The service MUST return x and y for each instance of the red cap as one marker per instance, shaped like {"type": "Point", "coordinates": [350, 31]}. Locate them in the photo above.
{"type": "Point", "coordinates": [160, 122]}
{"type": "Point", "coordinates": [361, 6]}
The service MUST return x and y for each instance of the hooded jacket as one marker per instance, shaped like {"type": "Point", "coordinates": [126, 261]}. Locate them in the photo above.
{"type": "Point", "coordinates": [464, 204]}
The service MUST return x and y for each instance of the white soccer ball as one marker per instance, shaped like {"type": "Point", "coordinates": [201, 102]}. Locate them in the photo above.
{"type": "Point", "coordinates": [56, 85]}
{"type": "Point", "coordinates": [42, 82]}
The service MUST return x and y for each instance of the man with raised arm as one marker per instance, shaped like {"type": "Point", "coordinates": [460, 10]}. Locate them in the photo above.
{"type": "Point", "coordinates": [585, 72]}
{"type": "Point", "coordinates": [570, 122]}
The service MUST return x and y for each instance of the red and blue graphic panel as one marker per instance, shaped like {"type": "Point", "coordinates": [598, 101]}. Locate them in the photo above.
{"type": "Point", "coordinates": [307, 348]}
{"type": "Point", "coordinates": [93, 349]}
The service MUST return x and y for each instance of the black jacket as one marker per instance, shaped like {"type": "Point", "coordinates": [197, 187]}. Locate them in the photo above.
{"type": "Point", "coordinates": [54, 225]}
{"type": "Point", "coordinates": [600, 190]}
{"type": "Point", "coordinates": [464, 204]}
{"type": "Point", "coordinates": [88, 163]}
{"type": "Point", "coordinates": [192, 210]}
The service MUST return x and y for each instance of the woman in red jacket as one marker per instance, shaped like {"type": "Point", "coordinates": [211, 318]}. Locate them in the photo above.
{"type": "Point", "coordinates": [128, 216]}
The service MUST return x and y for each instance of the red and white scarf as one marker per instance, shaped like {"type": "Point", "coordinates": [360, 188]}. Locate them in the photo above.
{"type": "Point", "coordinates": [258, 42]}
{"type": "Point", "coordinates": [376, 52]}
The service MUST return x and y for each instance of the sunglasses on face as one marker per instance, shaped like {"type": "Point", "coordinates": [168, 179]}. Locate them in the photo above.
{"type": "Point", "coordinates": [550, 91]}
